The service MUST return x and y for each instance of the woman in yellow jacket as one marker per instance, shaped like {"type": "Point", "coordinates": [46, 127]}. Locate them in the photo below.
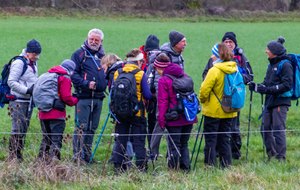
{"type": "Point", "coordinates": [216, 121]}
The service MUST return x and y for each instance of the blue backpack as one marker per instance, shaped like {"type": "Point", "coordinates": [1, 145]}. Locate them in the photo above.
{"type": "Point", "coordinates": [5, 95]}
{"type": "Point", "coordinates": [234, 93]}
{"type": "Point", "coordinates": [294, 93]}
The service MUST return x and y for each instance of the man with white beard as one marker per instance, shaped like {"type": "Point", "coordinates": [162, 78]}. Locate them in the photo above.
{"type": "Point", "coordinates": [89, 82]}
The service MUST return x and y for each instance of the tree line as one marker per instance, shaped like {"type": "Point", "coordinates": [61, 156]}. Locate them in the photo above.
{"type": "Point", "coordinates": [212, 6]}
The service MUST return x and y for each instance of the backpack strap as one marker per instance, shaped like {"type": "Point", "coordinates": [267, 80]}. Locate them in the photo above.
{"type": "Point", "coordinates": [22, 58]}
{"type": "Point", "coordinates": [217, 97]}
{"type": "Point", "coordinates": [84, 57]}
{"type": "Point", "coordinates": [280, 66]}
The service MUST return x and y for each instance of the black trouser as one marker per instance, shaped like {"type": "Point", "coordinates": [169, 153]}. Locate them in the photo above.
{"type": "Point", "coordinates": [217, 137]}
{"type": "Point", "coordinates": [49, 141]}
{"type": "Point", "coordinates": [139, 126]}
{"type": "Point", "coordinates": [235, 139]}
{"type": "Point", "coordinates": [181, 142]}
{"type": "Point", "coordinates": [274, 125]}
{"type": "Point", "coordinates": [151, 122]}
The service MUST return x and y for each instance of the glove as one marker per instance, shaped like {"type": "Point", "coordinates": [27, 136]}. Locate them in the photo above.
{"type": "Point", "coordinates": [75, 96]}
{"type": "Point", "coordinates": [262, 89]}
{"type": "Point", "coordinates": [59, 105]}
{"type": "Point", "coordinates": [252, 86]}
{"type": "Point", "coordinates": [30, 90]}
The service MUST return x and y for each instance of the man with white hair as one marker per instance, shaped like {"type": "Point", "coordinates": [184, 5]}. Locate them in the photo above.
{"type": "Point", "coordinates": [89, 82]}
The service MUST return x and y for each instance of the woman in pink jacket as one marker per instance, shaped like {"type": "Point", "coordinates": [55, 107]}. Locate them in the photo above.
{"type": "Point", "coordinates": [166, 101]}
{"type": "Point", "coordinates": [53, 121]}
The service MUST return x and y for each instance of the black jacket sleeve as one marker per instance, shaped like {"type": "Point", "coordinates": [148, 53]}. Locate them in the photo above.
{"type": "Point", "coordinates": [246, 65]}
{"type": "Point", "coordinates": [208, 66]}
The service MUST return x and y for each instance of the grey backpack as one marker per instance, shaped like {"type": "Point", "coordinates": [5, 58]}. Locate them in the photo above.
{"type": "Point", "coordinates": [46, 91]}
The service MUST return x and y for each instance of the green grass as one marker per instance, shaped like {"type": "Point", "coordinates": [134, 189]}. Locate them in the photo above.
{"type": "Point", "coordinates": [59, 38]}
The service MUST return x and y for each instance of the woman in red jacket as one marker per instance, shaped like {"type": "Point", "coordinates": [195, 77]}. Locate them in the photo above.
{"type": "Point", "coordinates": [167, 100]}
{"type": "Point", "coordinates": [53, 121]}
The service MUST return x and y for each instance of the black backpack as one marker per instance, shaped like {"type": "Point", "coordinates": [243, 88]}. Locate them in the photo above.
{"type": "Point", "coordinates": [124, 100]}
{"type": "Point", "coordinates": [5, 95]}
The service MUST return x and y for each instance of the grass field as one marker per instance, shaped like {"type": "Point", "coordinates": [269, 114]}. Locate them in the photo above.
{"type": "Point", "coordinates": [59, 38]}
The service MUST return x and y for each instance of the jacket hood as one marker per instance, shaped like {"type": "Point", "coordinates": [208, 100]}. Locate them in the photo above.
{"type": "Point", "coordinates": [116, 65]}
{"type": "Point", "coordinates": [167, 47]}
{"type": "Point", "coordinates": [24, 54]}
{"type": "Point", "coordinates": [58, 69]}
{"type": "Point", "coordinates": [227, 67]}
{"type": "Point", "coordinates": [173, 69]}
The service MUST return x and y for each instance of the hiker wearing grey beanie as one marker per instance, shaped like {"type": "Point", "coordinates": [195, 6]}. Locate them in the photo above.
{"type": "Point", "coordinates": [278, 81]}
{"type": "Point", "coordinates": [276, 46]}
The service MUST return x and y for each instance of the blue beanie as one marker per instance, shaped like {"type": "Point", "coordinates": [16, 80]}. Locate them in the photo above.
{"type": "Point", "coordinates": [215, 51]}
{"type": "Point", "coordinates": [33, 46]}
{"type": "Point", "coordinates": [69, 65]}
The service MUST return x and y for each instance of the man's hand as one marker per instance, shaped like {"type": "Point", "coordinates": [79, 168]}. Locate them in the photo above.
{"type": "Point", "coordinates": [92, 85]}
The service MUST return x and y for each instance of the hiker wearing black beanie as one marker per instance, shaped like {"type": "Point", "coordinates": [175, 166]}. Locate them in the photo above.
{"type": "Point", "coordinates": [245, 69]}
{"type": "Point", "coordinates": [275, 86]}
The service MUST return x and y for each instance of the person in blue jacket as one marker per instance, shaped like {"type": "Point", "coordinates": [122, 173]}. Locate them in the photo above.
{"type": "Point", "coordinates": [90, 83]}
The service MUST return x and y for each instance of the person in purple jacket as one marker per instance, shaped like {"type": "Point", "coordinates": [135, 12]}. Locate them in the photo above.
{"type": "Point", "coordinates": [166, 101]}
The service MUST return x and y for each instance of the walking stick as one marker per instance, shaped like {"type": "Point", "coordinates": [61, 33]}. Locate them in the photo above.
{"type": "Point", "coordinates": [251, 92]}
{"type": "Point", "coordinates": [263, 125]}
{"type": "Point", "coordinates": [99, 139]}
{"type": "Point", "coordinates": [173, 143]}
{"type": "Point", "coordinates": [196, 139]}
{"type": "Point", "coordinates": [112, 135]}
{"type": "Point", "coordinates": [92, 106]}
{"type": "Point", "coordinates": [198, 150]}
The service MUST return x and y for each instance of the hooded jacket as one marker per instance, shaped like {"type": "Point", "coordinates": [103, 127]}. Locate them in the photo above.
{"type": "Point", "coordinates": [86, 71]}
{"type": "Point", "coordinates": [174, 56]}
{"type": "Point", "coordinates": [111, 71]}
{"type": "Point", "coordinates": [167, 97]}
{"type": "Point", "coordinates": [151, 58]}
{"type": "Point", "coordinates": [278, 83]}
{"type": "Point", "coordinates": [19, 84]}
{"type": "Point", "coordinates": [64, 87]}
{"type": "Point", "coordinates": [214, 81]}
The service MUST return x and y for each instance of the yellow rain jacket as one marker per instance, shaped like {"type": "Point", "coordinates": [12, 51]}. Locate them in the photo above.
{"type": "Point", "coordinates": [138, 77]}
{"type": "Point", "coordinates": [214, 81]}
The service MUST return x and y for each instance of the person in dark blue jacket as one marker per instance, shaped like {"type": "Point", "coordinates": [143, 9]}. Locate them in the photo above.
{"type": "Point", "coordinates": [90, 83]}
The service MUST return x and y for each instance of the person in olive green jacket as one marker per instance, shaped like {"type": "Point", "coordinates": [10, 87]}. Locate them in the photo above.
{"type": "Point", "coordinates": [216, 121]}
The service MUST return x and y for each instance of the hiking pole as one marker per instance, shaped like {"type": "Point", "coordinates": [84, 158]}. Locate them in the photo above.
{"type": "Point", "coordinates": [99, 139]}
{"type": "Point", "coordinates": [112, 135]}
{"type": "Point", "coordinates": [198, 150]}
{"type": "Point", "coordinates": [263, 125]}
{"type": "Point", "coordinates": [92, 106]}
{"type": "Point", "coordinates": [29, 108]}
{"type": "Point", "coordinates": [173, 143]}
{"type": "Point", "coordinates": [251, 93]}
{"type": "Point", "coordinates": [196, 139]}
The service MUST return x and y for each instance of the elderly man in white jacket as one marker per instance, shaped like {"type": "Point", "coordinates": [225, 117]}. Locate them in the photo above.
{"type": "Point", "coordinates": [21, 86]}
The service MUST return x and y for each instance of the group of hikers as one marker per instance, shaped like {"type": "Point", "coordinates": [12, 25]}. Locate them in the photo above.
{"type": "Point", "coordinates": [149, 93]}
